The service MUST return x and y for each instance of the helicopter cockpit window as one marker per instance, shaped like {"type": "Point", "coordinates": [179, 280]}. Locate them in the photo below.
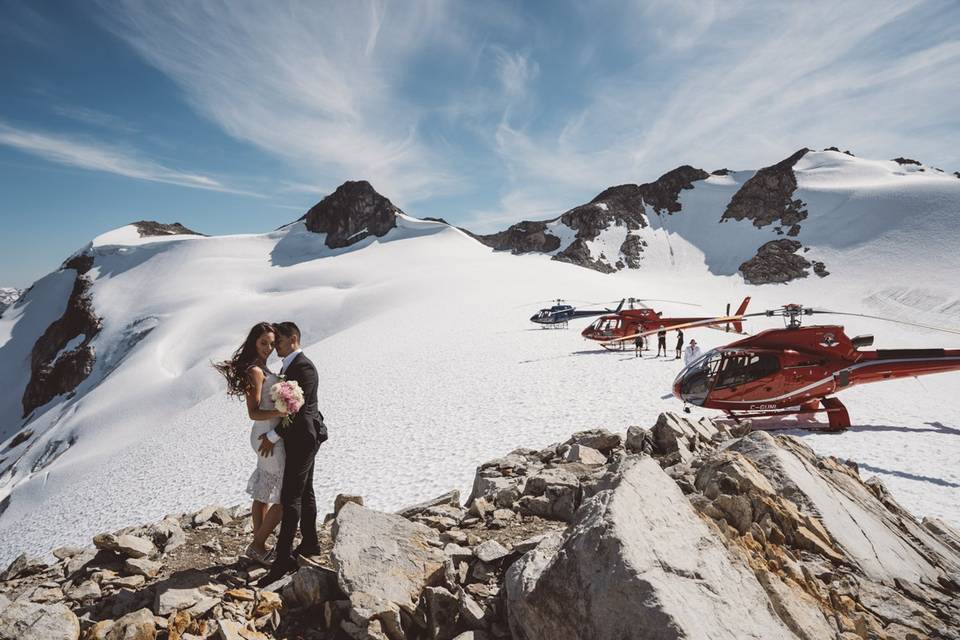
{"type": "Point", "coordinates": [697, 378]}
{"type": "Point", "coordinates": [740, 369]}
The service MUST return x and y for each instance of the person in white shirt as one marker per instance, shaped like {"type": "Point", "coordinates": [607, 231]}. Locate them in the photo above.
{"type": "Point", "coordinates": [691, 353]}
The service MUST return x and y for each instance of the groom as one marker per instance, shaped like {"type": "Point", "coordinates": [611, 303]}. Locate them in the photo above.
{"type": "Point", "coordinates": [301, 439]}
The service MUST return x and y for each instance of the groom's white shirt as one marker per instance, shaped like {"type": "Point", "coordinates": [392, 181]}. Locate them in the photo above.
{"type": "Point", "coordinates": [272, 435]}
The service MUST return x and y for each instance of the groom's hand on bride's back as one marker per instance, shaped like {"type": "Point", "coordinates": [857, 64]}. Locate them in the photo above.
{"type": "Point", "coordinates": [266, 447]}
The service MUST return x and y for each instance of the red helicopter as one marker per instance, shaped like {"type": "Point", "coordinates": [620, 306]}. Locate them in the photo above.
{"type": "Point", "coordinates": [616, 330]}
{"type": "Point", "coordinates": [797, 369]}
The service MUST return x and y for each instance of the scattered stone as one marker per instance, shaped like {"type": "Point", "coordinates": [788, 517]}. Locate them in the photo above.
{"type": "Point", "coordinates": [450, 498]}
{"type": "Point", "coordinates": [23, 620]}
{"type": "Point", "coordinates": [139, 625]}
{"type": "Point", "coordinates": [62, 553]}
{"type": "Point", "coordinates": [105, 541]}
{"type": "Point", "coordinates": [135, 547]}
{"type": "Point", "coordinates": [47, 594]}
{"type": "Point", "coordinates": [127, 582]}
{"type": "Point", "coordinates": [85, 591]}
{"type": "Point", "coordinates": [598, 439]}
{"type": "Point", "coordinates": [143, 567]}
{"type": "Point", "coordinates": [23, 565]}
{"type": "Point", "coordinates": [310, 586]}
{"type": "Point", "coordinates": [491, 551]}
{"type": "Point", "coordinates": [585, 455]}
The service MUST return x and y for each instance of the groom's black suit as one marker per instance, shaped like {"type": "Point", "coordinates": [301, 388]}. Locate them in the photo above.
{"type": "Point", "coordinates": [301, 439]}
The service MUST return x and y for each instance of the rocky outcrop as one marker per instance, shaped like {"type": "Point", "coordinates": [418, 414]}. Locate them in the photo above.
{"type": "Point", "coordinates": [777, 261]}
{"type": "Point", "coordinates": [351, 213]}
{"type": "Point", "coordinates": [8, 297]}
{"type": "Point", "coordinates": [63, 357]}
{"type": "Point", "coordinates": [767, 197]}
{"type": "Point", "coordinates": [903, 161]}
{"type": "Point", "coordinates": [688, 529]}
{"type": "Point", "coordinates": [664, 573]}
{"type": "Point", "coordinates": [523, 237]}
{"type": "Point", "coordinates": [621, 206]}
{"type": "Point", "coordinates": [148, 228]}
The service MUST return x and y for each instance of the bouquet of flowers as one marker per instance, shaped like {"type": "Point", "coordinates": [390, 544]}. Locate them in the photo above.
{"type": "Point", "coordinates": [287, 397]}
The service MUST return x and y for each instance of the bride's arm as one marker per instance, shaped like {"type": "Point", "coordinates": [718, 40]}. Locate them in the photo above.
{"type": "Point", "coordinates": [255, 376]}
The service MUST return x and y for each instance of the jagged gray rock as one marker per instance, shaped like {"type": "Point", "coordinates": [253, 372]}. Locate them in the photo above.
{"type": "Point", "coordinates": [31, 621]}
{"type": "Point", "coordinates": [383, 562]}
{"type": "Point", "coordinates": [665, 574]}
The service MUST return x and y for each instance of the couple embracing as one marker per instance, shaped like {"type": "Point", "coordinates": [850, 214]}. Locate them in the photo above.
{"type": "Point", "coordinates": [286, 442]}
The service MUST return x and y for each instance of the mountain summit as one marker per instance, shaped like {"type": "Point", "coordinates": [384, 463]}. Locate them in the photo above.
{"type": "Point", "coordinates": [351, 213]}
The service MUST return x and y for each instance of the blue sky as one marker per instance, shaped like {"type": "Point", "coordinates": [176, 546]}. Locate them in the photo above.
{"type": "Point", "coordinates": [238, 116]}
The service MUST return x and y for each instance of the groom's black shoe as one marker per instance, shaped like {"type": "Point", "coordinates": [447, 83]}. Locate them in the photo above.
{"type": "Point", "coordinates": [306, 550]}
{"type": "Point", "coordinates": [280, 568]}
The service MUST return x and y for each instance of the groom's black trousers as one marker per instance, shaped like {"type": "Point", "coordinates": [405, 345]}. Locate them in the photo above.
{"type": "Point", "coordinates": [296, 495]}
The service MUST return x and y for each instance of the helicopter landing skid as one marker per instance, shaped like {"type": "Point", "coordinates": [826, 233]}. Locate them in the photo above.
{"type": "Point", "coordinates": [555, 325]}
{"type": "Point", "coordinates": [839, 419]}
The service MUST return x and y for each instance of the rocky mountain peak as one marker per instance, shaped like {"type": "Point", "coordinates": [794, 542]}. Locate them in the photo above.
{"type": "Point", "coordinates": [351, 213]}
{"type": "Point", "coordinates": [149, 228]}
{"type": "Point", "coordinates": [768, 197]}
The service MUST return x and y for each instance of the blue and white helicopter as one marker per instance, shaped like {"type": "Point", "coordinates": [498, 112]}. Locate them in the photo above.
{"type": "Point", "coordinates": [557, 316]}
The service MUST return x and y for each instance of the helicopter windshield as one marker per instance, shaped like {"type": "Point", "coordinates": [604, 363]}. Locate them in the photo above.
{"type": "Point", "coordinates": [696, 379]}
{"type": "Point", "coordinates": [719, 370]}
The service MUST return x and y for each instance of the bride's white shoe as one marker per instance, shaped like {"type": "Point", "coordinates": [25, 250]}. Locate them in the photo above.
{"type": "Point", "coordinates": [262, 557]}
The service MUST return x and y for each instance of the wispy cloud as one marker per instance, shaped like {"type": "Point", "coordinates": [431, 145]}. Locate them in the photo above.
{"type": "Point", "coordinates": [95, 156]}
{"type": "Point", "coordinates": [744, 87]}
{"type": "Point", "coordinates": [95, 118]}
{"type": "Point", "coordinates": [312, 83]}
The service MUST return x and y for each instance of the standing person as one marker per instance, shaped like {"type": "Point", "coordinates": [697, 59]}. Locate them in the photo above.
{"type": "Point", "coordinates": [662, 342]}
{"type": "Point", "coordinates": [302, 437]}
{"type": "Point", "coordinates": [248, 377]}
{"type": "Point", "coordinates": [637, 346]}
{"type": "Point", "coordinates": [679, 343]}
{"type": "Point", "coordinates": [691, 353]}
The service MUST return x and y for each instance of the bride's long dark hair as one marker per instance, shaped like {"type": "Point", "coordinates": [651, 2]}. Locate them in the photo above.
{"type": "Point", "coordinates": [235, 369]}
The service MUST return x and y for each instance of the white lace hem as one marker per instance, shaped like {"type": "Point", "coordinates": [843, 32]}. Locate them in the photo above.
{"type": "Point", "coordinates": [265, 486]}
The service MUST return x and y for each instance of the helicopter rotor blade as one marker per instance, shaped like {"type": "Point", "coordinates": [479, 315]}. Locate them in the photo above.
{"type": "Point", "coordinates": [707, 322]}
{"type": "Point", "coordinates": [903, 322]}
{"type": "Point", "coordinates": [687, 304]}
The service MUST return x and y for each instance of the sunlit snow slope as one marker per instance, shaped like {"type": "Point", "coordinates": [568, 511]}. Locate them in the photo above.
{"type": "Point", "coordinates": [428, 365]}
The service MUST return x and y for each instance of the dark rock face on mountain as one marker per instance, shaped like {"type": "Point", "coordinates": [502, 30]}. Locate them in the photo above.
{"type": "Point", "coordinates": [623, 205]}
{"type": "Point", "coordinates": [8, 297]}
{"type": "Point", "coordinates": [522, 237]}
{"type": "Point", "coordinates": [777, 261]}
{"type": "Point", "coordinates": [902, 161]}
{"type": "Point", "coordinates": [351, 213]}
{"type": "Point", "coordinates": [148, 228]}
{"type": "Point", "coordinates": [664, 193]}
{"type": "Point", "coordinates": [54, 369]}
{"type": "Point", "coordinates": [768, 196]}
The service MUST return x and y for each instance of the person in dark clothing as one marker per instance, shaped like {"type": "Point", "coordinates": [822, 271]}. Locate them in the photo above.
{"type": "Point", "coordinates": [302, 438]}
{"type": "Point", "coordinates": [662, 342]}
{"type": "Point", "coordinates": [637, 346]}
{"type": "Point", "coordinates": [679, 344]}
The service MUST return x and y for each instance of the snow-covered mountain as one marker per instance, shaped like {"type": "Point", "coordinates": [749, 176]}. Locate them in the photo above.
{"type": "Point", "coordinates": [776, 224]}
{"type": "Point", "coordinates": [8, 296]}
{"type": "Point", "coordinates": [112, 413]}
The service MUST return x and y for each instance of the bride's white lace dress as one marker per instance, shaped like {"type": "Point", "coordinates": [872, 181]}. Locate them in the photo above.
{"type": "Point", "coordinates": [266, 480]}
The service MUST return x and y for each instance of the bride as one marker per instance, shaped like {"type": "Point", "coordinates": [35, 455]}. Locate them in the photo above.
{"type": "Point", "coordinates": [248, 377]}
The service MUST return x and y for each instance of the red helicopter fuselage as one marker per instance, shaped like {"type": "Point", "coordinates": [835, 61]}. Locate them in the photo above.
{"type": "Point", "coordinates": [794, 370]}
{"type": "Point", "coordinates": [630, 322]}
